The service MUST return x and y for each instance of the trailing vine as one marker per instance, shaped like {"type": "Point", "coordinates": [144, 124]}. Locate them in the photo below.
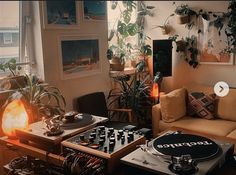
{"type": "Point", "coordinates": [226, 20]}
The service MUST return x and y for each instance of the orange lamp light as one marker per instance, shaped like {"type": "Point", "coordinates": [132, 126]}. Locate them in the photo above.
{"type": "Point", "coordinates": [155, 90]}
{"type": "Point", "coordinates": [14, 117]}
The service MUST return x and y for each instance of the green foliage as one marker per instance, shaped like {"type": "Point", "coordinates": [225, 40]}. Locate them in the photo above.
{"type": "Point", "coordinates": [124, 29]}
{"type": "Point", "coordinates": [184, 9]}
{"type": "Point", "coordinates": [134, 94]}
{"type": "Point", "coordinates": [188, 46]}
{"type": "Point", "coordinates": [11, 65]}
{"type": "Point", "coordinates": [48, 99]}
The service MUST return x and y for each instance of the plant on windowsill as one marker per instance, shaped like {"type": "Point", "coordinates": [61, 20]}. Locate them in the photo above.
{"type": "Point", "coordinates": [120, 51]}
{"type": "Point", "coordinates": [40, 100]}
{"type": "Point", "coordinates": [14, 80]}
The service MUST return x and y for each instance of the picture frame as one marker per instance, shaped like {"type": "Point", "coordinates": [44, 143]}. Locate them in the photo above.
{"type": "Point", "coordinates": [60, 14]}
{"type": "Point", "coordinates": [94, 10]}
{"type": "Point", "coordinates": [79, 55]}
{"type": "Point", "coordinates": [211, 45]}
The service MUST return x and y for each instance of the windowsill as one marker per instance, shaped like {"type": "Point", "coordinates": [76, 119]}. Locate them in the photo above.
{"type": "Point", "coordinates": [127, 71]}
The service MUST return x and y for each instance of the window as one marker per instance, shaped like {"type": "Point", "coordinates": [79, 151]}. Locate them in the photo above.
{"type": "Point", "coordinates": [13, 38]}
{"type": "Point", "coordinates": [7, 38]}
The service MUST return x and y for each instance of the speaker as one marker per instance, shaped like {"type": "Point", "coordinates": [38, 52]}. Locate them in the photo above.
{"type": "Point", "coordinates": [162, 57]}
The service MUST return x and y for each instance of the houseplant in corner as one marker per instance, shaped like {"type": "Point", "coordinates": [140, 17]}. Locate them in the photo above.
{"type": "Point", "coordinates": [39, 99]}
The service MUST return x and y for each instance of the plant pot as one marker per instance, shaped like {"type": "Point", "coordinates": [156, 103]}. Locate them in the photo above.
{"type": "Point", "coordinates": [116, 65]}
{"type": "Point", "coordinates": [17, 82]}
{"type": "Point", "coordinates": [165, 30]}
{"type": "Point", "coordinates": [11, 83]}
{"type": "Point", "coordinates": [133, 63]}
{"type": "Point", "coordinates": [180, 46]}
{"type": "Point", "coordinates": [182, 19]}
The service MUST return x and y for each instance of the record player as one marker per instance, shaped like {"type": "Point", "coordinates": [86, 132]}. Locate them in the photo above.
{"type": "Point", "coordinates": [177, 153]}
{"type": "Point", "coordinates": [51, 132]}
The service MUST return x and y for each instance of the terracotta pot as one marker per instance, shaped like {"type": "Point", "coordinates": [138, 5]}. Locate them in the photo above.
{"type": "Point", "coordinates": [165, 30]}
{"type": "Point", "coordinates": [133, 63]}
{"type": "Point", "coordinates": [182, 19]}
{"type": "Point", "coordinates": [180, 45]}
{"type": "Point", "coordinates": [116, 65]}
{"type": "Point", "coordinates": [17, 82]}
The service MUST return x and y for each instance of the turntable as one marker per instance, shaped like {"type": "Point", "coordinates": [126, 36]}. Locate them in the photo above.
{"type": "Point", "coordinates": [177, 153]}
{"type": "Point", "coordinates": [39, 135]}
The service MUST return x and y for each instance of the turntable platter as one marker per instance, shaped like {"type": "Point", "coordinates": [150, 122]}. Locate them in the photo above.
{"type": "Point", "coordinates": [79, 121]}
{"type": "Point", "coordinates": [200, 148]}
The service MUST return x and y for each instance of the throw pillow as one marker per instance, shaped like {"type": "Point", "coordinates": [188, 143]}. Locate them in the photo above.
{"type": "Point", "coordinates": [201, 105]}
{"type": "Point", "coordinates": [173, 105]}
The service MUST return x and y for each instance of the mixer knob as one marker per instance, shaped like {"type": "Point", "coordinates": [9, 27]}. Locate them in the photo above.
{"type": "Point", "coordinates": [131, 134]}
{"type": "Point", "coordinates": [93, 134]}
{"type": "Point", "coordinates": [111, 146]}
{"type": "Point", "coordinates": [102, 128]}
{"type": "Point", "coordinates": [121, 132]}
{"type": "Point", "coordinates": [130, 138]}
{"type": "Point", "coordinates": [91, 139]}
{"type": "Point", "coordinates": [122, 140]}
{"type": "Point", "coordinates": [102, 137]}
{"type": "Point", "coordinates": [112, 139]}
{"type": "Point", "coordinates": [81, 137]}
{"type": "Point", "coordinates": [101, 141]}
{"type": "Point", "coordinates": [111, 130]}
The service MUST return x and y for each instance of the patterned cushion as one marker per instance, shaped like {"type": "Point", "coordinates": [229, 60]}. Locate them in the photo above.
{"type": "Point", "coordinates": [201, 105]}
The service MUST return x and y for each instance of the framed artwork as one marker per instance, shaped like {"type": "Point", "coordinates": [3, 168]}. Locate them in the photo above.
{"type": "Point", "coordinates": [60, 14]}
{"type": "Point", "coordinates": [211, 44]}
{"type": "Point", "coordinates": [79, 56]}
{"type": "Point", "coordinates": [94, 10]}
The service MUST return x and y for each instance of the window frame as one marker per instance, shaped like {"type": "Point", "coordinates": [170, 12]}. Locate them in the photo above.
{"type": "Point", "coordinates": [25, 47]}
{"type": "Point", "coordinates": [7, 38]}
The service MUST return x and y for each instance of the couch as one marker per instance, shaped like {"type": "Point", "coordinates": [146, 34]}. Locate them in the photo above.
{"type": "Point", "coordinates": [222, 126]}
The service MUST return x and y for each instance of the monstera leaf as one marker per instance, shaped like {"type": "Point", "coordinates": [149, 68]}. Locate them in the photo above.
{"type": "Point", "coordinates": [122, 29]}
{"type": "Point", "coordinates": [127, 16]}
{"type": "Point", "coordinates": [132, 29]}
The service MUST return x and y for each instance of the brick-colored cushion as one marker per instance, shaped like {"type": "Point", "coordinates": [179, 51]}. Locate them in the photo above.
{"type": "Point", "coordinates": [173, 105]}
{"type": "Point", "coordinates": [201, 105]}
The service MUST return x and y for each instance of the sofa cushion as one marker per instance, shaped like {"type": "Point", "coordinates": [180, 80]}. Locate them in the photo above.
{"type": "Point", "coordinates": [216, 127]}
{"type": "Point", "coordinates": [201, 105]}
{"type": "Point", "coordinates": [173, 105]}
{"type": "Point", "coordinates": [227, 106]}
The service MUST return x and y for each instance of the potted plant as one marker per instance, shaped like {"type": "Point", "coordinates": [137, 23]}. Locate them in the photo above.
{"type": "Point", "coordinates": [14, 80]}
{"type": "Point", "coordinates": [120, 49]}
{"type": "Point", "coordinates": [165, 28]}
{"type": "Point", "coordinates": [133, 93]}
{"type": "Point", "coordinates": [39, 99]}
{"type": "Point", "coordinates": [183, 13]}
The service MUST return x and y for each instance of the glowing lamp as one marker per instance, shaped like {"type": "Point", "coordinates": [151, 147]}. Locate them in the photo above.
{"type": "Point", "coordinates": [155, 91]}
{"type": "Point", "coordinates": [14, 117]}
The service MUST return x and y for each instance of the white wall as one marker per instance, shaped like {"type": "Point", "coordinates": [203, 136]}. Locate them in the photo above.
{"type": "Point", "coordinates": [182, 72]}
{"type": "Point", "coordinates": [75, 87]}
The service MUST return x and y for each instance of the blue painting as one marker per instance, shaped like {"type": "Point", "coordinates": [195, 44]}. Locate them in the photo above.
{"type": "Point", "coordinates": [94, 10]}
{"type": "Point", "coordinates": [61, 12]}
{"type": "Point", "coordinates": [80, 55]}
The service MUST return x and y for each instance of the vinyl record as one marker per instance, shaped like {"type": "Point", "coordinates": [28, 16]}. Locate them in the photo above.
{"type": "Point", "coordinates": [198, 147]}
